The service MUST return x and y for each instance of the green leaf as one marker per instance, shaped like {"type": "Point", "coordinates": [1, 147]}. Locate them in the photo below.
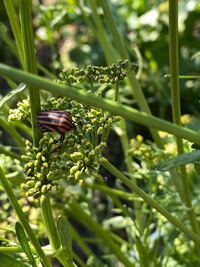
{"type": "Point", "coordinates": [179, 160]}
{"type": "Point", "coordinates": [7, 261]}
{"type": "Point", "coordinates": [65, 239]}
{"type": "Point", "coordinates": [12, 93]}
{"type": "Point", "coordinates": [21, 236]}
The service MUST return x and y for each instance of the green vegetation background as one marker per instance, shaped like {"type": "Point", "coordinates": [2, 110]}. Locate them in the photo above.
{"type": "Point", "coordinates": [102, 221]}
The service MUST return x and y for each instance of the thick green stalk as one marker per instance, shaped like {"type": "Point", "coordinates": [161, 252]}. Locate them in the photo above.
{"type": "Point", "coordinates": [103, 234]}
{"type": "Point", "coordinates": [22, 217]}
{"type": "Point", "coordinates": [16, 249]}
{"type": "Point", "coordinates": [105, 104]}
{"type": "Point", "coordinates": [50, 223]}
{"type": "Point", "coordinates": [107, 165]}
{"type": "Point", "coordinates": [31, 66]}
{"type": "Point", "coordinates": [176, 109]}
{"type": "Point", "coordinates": [11, 249]}
{"type": "Point", "coordinates": [14, 22]}
{"type": "Point", "coordinates": [30, 62]}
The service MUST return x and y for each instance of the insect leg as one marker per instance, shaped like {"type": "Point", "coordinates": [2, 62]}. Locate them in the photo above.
{"type": "Point", "coordinates": [62, 137]}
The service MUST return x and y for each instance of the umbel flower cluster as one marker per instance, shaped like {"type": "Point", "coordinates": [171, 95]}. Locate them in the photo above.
{"type": "Point", "coordinates": [97, 74]}
{"type": "Point", "coordinates": [78, 157]}
{"type": "Point", "coordinates": [21, 112]}
{"type": "Point", "coordinates": [146, 152]}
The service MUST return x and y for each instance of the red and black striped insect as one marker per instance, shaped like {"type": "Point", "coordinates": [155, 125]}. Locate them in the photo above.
{"type": "Point", "coordinates": [58, 121]}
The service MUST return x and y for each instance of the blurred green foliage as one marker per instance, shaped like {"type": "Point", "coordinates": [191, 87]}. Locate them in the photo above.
{"type": "Point", "coordinates": [63, 40]}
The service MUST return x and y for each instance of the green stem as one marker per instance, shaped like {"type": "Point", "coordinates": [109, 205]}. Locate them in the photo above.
{"type": "Point", "coordinates": [30, 62]}
{"type": "Point", "coordinates": [104, 104]}
{"type": "Point", "coordinates": [117, 92]}
{"type": "Point", "coordinates": [14, 22]}
{"type": "Point", "coordinates": [115, 192]}
{"type": "Point", "coordinates": [12, 249]}
{"type": "Point", "coordinates": [80, 262]}
{"type": "Point", "coordinates": [107, 165]}
{"type": "Point", "coordinates": [31, 66]}
{"type": "Point", "coordinates": [24, 220]}
{"type": "Point", "coordinates": [188, 77]}
{"type": "Point", "coordinates": [176, 108]}
{"type": "Point", "coordinates": [50, 223]}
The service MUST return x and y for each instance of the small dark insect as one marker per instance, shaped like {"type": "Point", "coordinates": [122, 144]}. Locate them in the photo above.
{"type": "Point", "coordinates": [58, 121]}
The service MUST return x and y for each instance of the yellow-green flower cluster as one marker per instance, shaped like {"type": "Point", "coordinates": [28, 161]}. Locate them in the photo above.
{"type": "Point", "coordinates": [146, 152]}
{"type": "Point", "coordinates": [97, 74]}
{"type": "Point", "coordinates": [77, 159]}
{"type": "Point", "coordinates": [39, 166]}
{"type": "Point", "coordinates": [21, 112]}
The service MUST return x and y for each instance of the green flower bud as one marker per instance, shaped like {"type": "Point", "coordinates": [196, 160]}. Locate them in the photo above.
{"type": "Point", "coordinates": [86, 160]}
{"type": "Point", "coordinates": [30, 192]}
{"type": "Point", "coordinates": [25, 157]}
{"type": "Point", "coordinates": [44, 189]}
{"type": "Point", "coordinates": [91, 154]}
{"type": "Point", "coordinates": [37, 163]}
{"type": "Point", "coordinates": [28, 165]}
{"type": "Point", "coordinates": [38, 184]}
{"type": "Point", "coordinates": [30, 184]}
{"type": "Point", "coordinates": [78, 175]}
{"type": "Point", "coordinates": [42, 199]}
{"type": "Point", "coordinates": [43, 159]}
{"type": "Point", "coordinates": [28, 172]}
{"type": "Point", "coordinates": [100, 130]}
{"type": "Point", "coordinates": [73, 170]}
{"type": "Point", "coordinates": [24, 187]}
{"type": "Point", "coordinates": [76, 156]}
{"type": "Point", "coordinates": [45, 165]}
{"type": "Point", "coordinates": [39, 176]}
{"type": "Point", "coordinates": [94, 112]}
{"type": "Point", "coordinates": [101, 120]}
{"type": "Point", "coordinates": [97, 150]}
{"type": "Point", "coordinates": [49, 187]}
{"type": "Point", "coordinates": [50, 176]}
{"type": "Point", "coordinates": [95, 164]}
{"type": "Point", "coordinates": [39, 155]}
{"type": "Point", "coordinates": [87, 171]}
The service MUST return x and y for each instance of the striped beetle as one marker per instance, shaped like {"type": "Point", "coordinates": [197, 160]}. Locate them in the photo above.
{"type": "Point", "coordinates": [58, 121]}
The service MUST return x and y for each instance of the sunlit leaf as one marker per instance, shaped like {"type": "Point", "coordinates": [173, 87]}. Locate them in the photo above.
{"type": "Point", "coordinates": [12, 93]}
{"type": "Point", "coordinates": [24, 242]}
{"type": "Point", "coordinates": [179, 161]}
{"type": "Point", "coordinates": [8, 261]}
{"type": "Point", "coordinates": [65, 238]}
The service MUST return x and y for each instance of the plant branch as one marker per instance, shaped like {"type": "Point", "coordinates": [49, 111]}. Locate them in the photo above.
{"type": "Point", "coordinates": [107, 165]}
{"type": "Point", "coordinates": [105, 104]}
{"type": "Point", "coordinates": [176, 109]}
